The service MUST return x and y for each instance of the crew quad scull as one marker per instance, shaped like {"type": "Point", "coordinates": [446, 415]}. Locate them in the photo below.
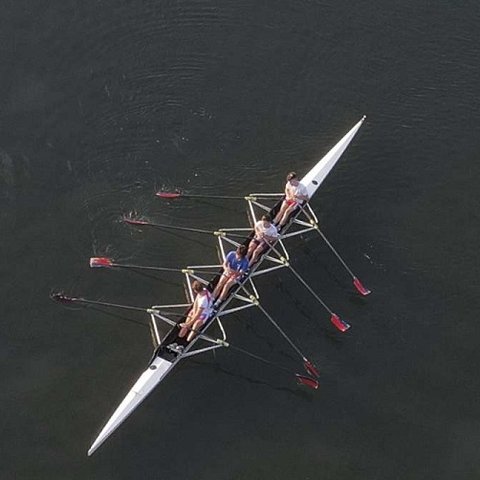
{"type": "Point", "coordinates": [243, 295]}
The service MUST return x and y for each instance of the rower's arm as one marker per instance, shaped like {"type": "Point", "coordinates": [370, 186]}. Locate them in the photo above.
{"type": "Point", "coordinates": [196, 312]}
{"type": "Point", "coordinates": [303, 197]}
{"type": "Point", "coordinates": [269, 239]}
{"type": "Point", "coordinates": [288, 194]}
{"type": "Point", "coordinates": [225, 266]}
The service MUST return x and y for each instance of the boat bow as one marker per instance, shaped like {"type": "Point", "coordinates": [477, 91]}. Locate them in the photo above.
{"type": "Point", "coordinates": [314, 178]}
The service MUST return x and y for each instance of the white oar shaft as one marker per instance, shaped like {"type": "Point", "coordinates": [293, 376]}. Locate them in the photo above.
{"type": "Point", "coordinates": [325, 239]}
{"type": "Point", "coordinates": [303, 282]}
{"type": "Point", "coordinates": [162, 269]}
{"type": "Point", "coordinates": [307, 286]}
{"type": "Point", "coordinates": [284, 335]}
{"type": "Point", "coordinates": [314, 222]}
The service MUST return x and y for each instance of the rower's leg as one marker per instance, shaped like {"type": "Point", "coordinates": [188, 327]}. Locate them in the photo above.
{"type": "Point", "coordinates": [195, 327]}
{"type": "Point", "coordinates": [256, 253]}
{"type": "Point", "coordinates": [285, 215]}
{"type": "Point", "coordinates": [219, 287]}
{"type": "Point", "coordinates": [251, 248]}
{"type": "Point", "coordinates": [280, 213]}
{"type": "Point", "coordinates": [185, 329]}
{"type": "Point", "coordinates": [228, 285]}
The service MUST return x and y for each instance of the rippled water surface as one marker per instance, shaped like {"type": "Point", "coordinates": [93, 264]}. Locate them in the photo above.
{"type": "Point", "coordinates": [103, 103]}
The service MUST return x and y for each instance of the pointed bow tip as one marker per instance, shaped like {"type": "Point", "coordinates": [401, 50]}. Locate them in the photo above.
{"type": "Point", "coordinates": [93, 448]}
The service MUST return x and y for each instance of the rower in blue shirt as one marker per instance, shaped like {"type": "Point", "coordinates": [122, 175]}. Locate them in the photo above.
{"type": "Point", "coordinates": [234, 268]}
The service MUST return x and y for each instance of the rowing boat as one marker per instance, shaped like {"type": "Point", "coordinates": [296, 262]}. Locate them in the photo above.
{"type": "Point", "coordinates": [243, 295]}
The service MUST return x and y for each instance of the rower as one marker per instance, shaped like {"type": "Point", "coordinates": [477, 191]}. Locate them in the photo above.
{"type": "Point", "coordinates": [199, 313]}
{"type": "Point", "coordinates": [265, 234]}
{"type": "Point", "coordinates": [235, 267]}
{"type": "Point", "coordinates": [295, 195]}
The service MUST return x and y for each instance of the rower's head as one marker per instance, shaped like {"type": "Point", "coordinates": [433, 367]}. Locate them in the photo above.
{"type": "Point", "coordinates": [292, 178]}
{"type": "Point", "coordinates": [197, 287]}
{"type": "Point", "coordinates": [241, 251]}
{"type": "Point", "coordinates": [267, 220]}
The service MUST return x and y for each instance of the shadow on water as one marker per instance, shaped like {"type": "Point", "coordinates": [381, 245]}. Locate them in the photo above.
{"type": "Point", "coordinates": [152, 276]}
{"type": "Point", "coordinates": [176, 235]}
{"type": "Point", "coordinates": [297, 392]}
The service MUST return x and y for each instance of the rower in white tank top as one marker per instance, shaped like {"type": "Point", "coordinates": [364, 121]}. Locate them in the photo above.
{"type": "Point", "coordinates": [296, 194]}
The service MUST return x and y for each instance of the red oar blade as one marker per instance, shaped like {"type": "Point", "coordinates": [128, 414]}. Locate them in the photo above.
{"type": "Point", "coordinates": [307, 381]}
{"type": "Point", "coordinates": [99, 262]}
{"type": "Point", "coordinates": [311, 369]}
{"type": "Point", "coordinates": [168, 194]}
{"type": "Point", "coordinates": [133, 221]}
{"type": "Point", "coordinates": [339, 323]}
{"type": "Point", "coordinates": [361, 289]}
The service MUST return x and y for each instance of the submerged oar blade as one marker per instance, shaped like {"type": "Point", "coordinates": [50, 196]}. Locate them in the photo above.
{"type": "Point", "coordinates": [339, 323]}
{"type": "Point", "coordinates": [100, 262]}
{"type": "Point", "coordinates": [62, 298]}
{"type": "Point", "coordinates": [168, 194]}
{"type": "Point", "coordinates": [311, 369]}
{"type": "Point", "coordinates": [361, 289]}
{"type": "Point", "coordinates": [307, 381]}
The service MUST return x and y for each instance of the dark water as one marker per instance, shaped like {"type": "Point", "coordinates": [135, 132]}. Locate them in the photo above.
{"type": "Point", "coordinates": [103, 102]}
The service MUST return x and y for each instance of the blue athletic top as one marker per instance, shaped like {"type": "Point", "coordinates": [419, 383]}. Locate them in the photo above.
{"type": "Point", "coordinates": [236, 264]}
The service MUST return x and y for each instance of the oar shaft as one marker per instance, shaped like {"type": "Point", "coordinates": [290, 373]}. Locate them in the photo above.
{"type": "Point", "coordinates": [303, 282]}
{"type": "Point", "coordinates": [175, 227]}
{"type": "Point", "coordinates": [284, 335]}
{"type": "Point", "coordinates": [65, 299]}
{"type": "Point", "coordinates": [332, 248]}
{"type": "Point", "coordinates": [214, 197]}
{"type": "Point", "coordinates": [309, 381]}
{"type": "Point", "coordinates": [261, 359]}
{"type": "Point", "coordinates": [143, 267]}
{"type": "Point", "coordinates": [108, 304]}
{"type": "Point", "coordinates": [325, 239]}
{"type": "Point", "coordinates": [161, 269]}
{"type": "Point", "coordinates": [307, 286]}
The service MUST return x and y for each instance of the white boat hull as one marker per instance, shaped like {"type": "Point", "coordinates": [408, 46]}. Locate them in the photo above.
{"type": "Point", "coordinates": [148, 380]}
{"type": "Point", "coordinates": [315, 177]}
{"type": "Point", "coordinates": [160, 367]}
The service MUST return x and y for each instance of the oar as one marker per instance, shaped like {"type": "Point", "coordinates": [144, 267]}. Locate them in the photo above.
{"type": "Point", "coordinates": [142, 223]}
{"type": "Point", "coordinates": [301, 379]}
{"type": "Point", "coordinates": [105, 262]}
{"type": "Point", "coordinates": [62, 298]}
{"type": "Point", "coordinates": [171, 195]}
{"type": "Point", "coordinates": [340, 324]}
{"type": "Point", "coordinates": [308, 365]}
{"type": "Point", "coordinates": [356, 282]}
